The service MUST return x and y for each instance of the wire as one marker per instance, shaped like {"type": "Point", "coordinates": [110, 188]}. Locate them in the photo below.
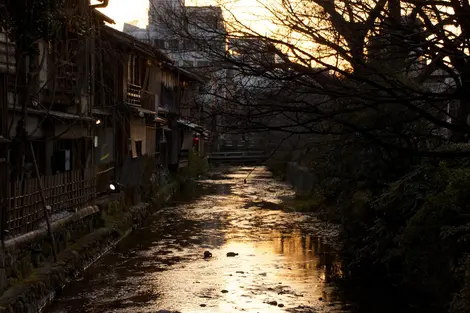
{"type": "Point", "coordinates": [244, 181]}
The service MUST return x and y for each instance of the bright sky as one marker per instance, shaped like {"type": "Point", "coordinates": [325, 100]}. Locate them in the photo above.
{"type": "Point", "coordinates": [123, 11]}
{"type": "Point", "coordinates": [127, 11]}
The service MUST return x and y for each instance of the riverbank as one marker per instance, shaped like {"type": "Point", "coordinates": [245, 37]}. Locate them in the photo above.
{"type": "Point", "coordinates": [32, 279]}
{"type": "Point", "coordinates": [407, 236]}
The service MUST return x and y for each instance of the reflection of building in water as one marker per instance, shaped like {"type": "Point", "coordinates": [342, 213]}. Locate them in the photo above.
{"type": "Point", "coordinates": [309, 251]}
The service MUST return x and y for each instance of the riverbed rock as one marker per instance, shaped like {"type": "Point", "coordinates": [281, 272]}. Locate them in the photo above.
{"type": "Point", "coordinates": [231, 254]}
{"type": "Point", "coordinates": [207, 254]}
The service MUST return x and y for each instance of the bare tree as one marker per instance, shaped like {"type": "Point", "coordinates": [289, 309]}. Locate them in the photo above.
{"type": "Point", "coordinates": [392, 71]}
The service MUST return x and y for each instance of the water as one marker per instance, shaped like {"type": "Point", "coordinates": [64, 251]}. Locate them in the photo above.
{"type": "Point", "coordinates": [286, 261]}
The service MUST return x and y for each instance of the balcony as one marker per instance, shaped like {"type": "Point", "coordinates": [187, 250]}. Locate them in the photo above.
{"type": "Point", "coordinates": [7, 55]}
{"type": "Point", "coordinates": [134, 94]}
{"type": "Point", "coordinates": [67, 77]}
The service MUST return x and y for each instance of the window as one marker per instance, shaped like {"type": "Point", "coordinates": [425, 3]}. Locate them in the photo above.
{"type": "Point", "coordinates": [65, 65]}
{"type": "Point", "coordinates": [188, 63]}
{"type": "Point", "coordinates": [203, 63]}
{"type": "Point", "coordinates": [159, 43]}
{"type": "Point", "coordinates": [134, 70]}
{"type": "Point", "coordinates": [189, 45]}
{"type": "Point", "coordinates": [138, 148]}
{"type": "Point", "coordinates": [173, 44]}
{"type": "Point", "coordinates": [212, 22]}
{"type": "Point", "coordinates": [205, 89]}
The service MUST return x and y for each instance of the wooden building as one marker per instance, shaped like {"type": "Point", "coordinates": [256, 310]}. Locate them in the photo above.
{"type": "Point", "coordinates": [98, 106]}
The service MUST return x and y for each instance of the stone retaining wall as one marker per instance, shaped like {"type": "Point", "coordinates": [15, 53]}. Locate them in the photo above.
{"type": "Point", "coordinates": [25, 253]}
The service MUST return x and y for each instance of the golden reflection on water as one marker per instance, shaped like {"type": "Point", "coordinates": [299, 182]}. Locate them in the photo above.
{"type": "Point", "coordinates": [305, 251]}
{"type": "Point", "coordinates": [286, 267]}
{"type": "Point", "coordinates": [276, 261]}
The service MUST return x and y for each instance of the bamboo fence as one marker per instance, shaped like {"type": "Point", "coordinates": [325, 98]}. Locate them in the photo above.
{"type": "Point", "coordinates": [68, 191]}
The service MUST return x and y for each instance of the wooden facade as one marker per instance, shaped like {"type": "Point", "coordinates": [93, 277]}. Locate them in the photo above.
{"type": "Point", "coordinates": [46, 121]}
{"type": "Point", "coordinates": [103, 106]}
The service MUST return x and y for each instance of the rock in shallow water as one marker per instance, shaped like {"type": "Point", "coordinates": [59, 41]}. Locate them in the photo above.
{"type": "Point", "coordinates": [207, 254]}
{"type": "Point", "coordinates": [232, 254]}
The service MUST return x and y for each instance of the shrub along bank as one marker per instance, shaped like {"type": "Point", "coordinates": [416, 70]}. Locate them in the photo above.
{"type": "Point", "coordinates": [415, 234]}
{"type": "Point", "coordinates": [405, 227]}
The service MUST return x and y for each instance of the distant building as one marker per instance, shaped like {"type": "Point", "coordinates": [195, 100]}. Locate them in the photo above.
{"type": "Point", "coordinates": [185, 32]}
{"type": "Point", "coordinates": [396, 51]}
{"type": "Point", "coordinates": [253, 51]}
{"type": "Point", "coordinates": [141, 34]}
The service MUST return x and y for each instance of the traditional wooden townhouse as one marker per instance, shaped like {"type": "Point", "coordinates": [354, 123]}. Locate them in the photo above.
{"type": "Point", "coordinates": [179, 108]}
{"type": "Point", "coordinates": [125, 110]}
{"type": "Point", "coordinates": [138, 97]}
{"type": "Point", "coordinates": [193, 118]}
{"type": "Point", "coordinates": [92, 108]}
{"type": "Point", "coordinates": [47, 126]}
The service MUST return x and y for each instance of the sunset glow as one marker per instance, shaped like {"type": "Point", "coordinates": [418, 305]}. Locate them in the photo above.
{"type": "Point", "coordinates": [136, 11]}
{"type": "Point", "coordinates": [126, 11]}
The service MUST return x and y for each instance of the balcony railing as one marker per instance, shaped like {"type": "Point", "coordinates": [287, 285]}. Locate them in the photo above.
{"type": "Point", "coordinates": [67, 77]}
{"type": "Point", "coordinates": [7, 55]}
{"type": "Point", "coordinates": [134, 94]}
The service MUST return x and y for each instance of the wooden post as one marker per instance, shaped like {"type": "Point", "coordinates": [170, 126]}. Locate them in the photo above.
{"type": "Point", "coordinates": [44, 204]}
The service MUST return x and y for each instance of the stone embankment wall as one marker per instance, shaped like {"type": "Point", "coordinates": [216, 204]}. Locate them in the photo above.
{"type": "Point", "coordinates": [299, 178]}
{"type": "Point", "coordinates": [29, 279]}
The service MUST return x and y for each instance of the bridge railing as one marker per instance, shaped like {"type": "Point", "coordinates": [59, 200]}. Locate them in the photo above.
{"type": "Point", "coordinates": [239, 156]}
{"type": "Point", "coordinates": [237, 153]}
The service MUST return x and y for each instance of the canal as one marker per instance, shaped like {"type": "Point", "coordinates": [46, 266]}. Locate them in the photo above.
{"type": "Point", "coordinates": [285, 262]}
